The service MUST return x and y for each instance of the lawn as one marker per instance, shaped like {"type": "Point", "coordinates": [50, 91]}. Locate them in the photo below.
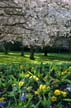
{"type": "Point", "coordinates": [39, 57]}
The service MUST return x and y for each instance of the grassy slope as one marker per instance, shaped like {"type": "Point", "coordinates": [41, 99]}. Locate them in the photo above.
{"type": "Point", "coordinates": [51, 58]}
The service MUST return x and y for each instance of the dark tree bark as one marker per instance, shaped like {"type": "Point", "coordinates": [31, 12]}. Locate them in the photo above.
{"type": "Point", "coordinates": [22, 51]}
{"type": "Point", "coordinates": [45, 51]}
{"type": "Point", "coordinates": [32, 50]}
{"type": "Point", "coordinates": [6, 51]}
{"type": "Point", "coordinates": [6, 48]}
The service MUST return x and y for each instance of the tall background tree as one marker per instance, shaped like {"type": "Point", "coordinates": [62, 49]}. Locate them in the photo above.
{"type": "Point", "coordinates": [36, 23]}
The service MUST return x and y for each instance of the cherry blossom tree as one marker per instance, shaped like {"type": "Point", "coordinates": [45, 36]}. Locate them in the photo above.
{"type": "Point", "coordinates": [36, 23]}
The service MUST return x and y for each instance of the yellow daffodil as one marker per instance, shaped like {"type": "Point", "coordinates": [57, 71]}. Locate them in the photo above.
{"type": "Point", "coordinates": [57, 92]}
{"type": "Point", "coordinates": [64, 72]}
{"type": "Point", "coordinates": [53, 99]}
{"type": "Point", "coordinates": [42, 87]}
{"type": "Point", "coordinates": [36, 92]}
{"type": "Point", "coordinates": [2, 99]}
{"type": "Point", "coordinates": [35, 78]}
{"type": "Point", "coordinates": [64, 93]}
{"type": "Point", "coordinates": [21, 83]}
{"type": "Point", "coordinates": [27, 75]}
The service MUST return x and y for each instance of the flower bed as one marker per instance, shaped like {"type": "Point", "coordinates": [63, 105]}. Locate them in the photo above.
{"type": "Point", "coordinates": [35, 86]}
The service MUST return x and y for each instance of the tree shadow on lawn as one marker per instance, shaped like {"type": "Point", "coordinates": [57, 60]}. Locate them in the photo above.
{"type": "Point", "coordinates": [39, 57]}
{"type": "Point", "coordinates": [51, 57]}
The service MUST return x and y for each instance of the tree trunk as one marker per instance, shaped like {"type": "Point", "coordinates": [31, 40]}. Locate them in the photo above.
{"type": "Point", "coordinates": [45, 51]}
{"type": "Point", "coordinates": [6, 47]}
{"type": "Point", "coordinates": [32, 53]}
{"type": "Point", "coordinates": [22, 51]}
{"type": "Point", "coordinates": [6, 51]}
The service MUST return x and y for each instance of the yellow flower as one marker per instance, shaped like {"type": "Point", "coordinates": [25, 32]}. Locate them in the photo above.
{"type": "Point", "coordinates": [64, 72]}
{"type": "Point", "coordinates": [27, 75]}
{"type": "Point", "coordinates": [21, 83]}
{"type": "Point", "coordinates": [36, 92]}
{"type": "Point", "coordinates": [42, 87]}
{"type": "Point", "coordinates": [57, 92]}
{"type": "Point", "coordinates": [35, 78]}
{"type": "Point", "coordinates": [64, 94]}
{"type": "Point", "coordinates": [53, 99]}
{"type": "Point", "coordinates": [2, 99]}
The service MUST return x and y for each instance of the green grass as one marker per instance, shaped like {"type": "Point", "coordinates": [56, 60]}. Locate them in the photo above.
{"type": "Point", "coordinates": [39, 57]}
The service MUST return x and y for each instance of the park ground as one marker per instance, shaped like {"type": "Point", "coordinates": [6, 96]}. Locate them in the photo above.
{"type": "Point", "coordinates": [14, 57]}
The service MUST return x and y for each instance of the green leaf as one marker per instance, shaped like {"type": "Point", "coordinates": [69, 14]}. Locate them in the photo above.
{"type": "Point", "coordinates": [68, 100]}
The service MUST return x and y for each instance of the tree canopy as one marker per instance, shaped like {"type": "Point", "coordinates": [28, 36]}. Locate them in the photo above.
{"type": "Point", "coordinates": [35, 22]}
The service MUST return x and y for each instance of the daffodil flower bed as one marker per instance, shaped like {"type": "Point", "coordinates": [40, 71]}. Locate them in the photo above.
{"type": "Point", "coordinates": [35, 86]}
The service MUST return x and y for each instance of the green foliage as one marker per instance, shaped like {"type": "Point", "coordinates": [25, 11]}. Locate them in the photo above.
{"type": "Point", "coordinates": [35, 85]}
